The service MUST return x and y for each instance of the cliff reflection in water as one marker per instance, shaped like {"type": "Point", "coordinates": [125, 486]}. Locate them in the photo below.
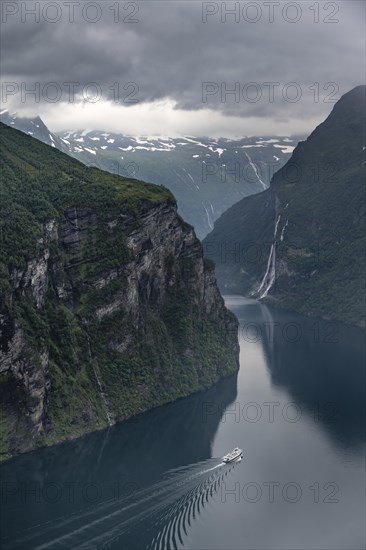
{"type": "Point", "coordinates": [322, 365]}
{"type": "Point", "coordinates": [99, 487]}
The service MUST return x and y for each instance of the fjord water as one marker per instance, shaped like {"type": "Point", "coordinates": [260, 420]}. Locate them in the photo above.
{"type": "Point", "coordinates": [296, 407]}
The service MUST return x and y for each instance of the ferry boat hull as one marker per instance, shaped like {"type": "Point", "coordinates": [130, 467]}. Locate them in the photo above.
{"type": "Point", "coordinates": [233, 456]}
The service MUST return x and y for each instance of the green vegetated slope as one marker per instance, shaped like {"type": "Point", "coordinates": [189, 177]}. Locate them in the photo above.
{"type": "Point", "coordinates": [107, 307]}
{"type": "Point", "coordinates": [206, 175]}
{"type": "Point", "coordinates": [317, 202]}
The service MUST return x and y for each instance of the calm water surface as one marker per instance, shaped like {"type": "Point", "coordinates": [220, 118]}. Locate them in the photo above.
{"type": "Point", "coordinates": [296, 407]}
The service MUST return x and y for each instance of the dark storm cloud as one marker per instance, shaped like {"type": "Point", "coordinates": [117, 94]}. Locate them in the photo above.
{"type": "Point", "coordinates": [170, 52]}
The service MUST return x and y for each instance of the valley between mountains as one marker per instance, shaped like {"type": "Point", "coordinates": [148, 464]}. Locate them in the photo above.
{"type": "Point", "coordinates": [109, 303]}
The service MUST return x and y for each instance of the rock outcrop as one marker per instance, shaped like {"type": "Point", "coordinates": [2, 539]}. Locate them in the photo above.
{"type": "Point", "coordinates": [114, 312]}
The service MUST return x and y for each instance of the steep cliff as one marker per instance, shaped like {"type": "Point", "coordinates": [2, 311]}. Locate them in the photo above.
{"type": "Point", "coordinates": [108, 307]}
{"type": "Point", "coordinates": [300, 244]}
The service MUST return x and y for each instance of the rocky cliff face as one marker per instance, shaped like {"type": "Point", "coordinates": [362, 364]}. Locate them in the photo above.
{"type": "Point", "coordinates": [115, 312]}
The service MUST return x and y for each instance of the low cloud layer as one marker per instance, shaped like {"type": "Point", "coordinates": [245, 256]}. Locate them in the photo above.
{"type": "Point", "coordinates": [181, 67]}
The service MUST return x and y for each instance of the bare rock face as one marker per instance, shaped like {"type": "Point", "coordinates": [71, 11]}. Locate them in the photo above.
{"type": "Point", "coordinates": [113, 316]}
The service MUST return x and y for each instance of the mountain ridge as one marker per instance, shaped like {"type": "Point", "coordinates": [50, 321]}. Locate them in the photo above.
{"type": "Point", "coordinates": [206, 175]}
{"type": "Point", "coordinates": [300, 244]}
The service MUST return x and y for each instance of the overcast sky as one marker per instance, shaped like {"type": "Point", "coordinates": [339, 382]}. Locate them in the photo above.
{"type": "Point", "coordinates": [142, 69]}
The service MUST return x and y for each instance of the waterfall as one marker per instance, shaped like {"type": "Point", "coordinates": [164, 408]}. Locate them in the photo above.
{"type": "Point", "coordinates": [76, 219]}
{"type": "Point", "coordinates": [100, 385]}
{"type": "Point", "coordinates": [270, 273]}
{"type": "Point", "coordinates": [253, 166]}
{"type": "Point", "coordinates": [208, 216]}
{"type": "Point", "coordinates": [267, 270]}
{"type": "Point", "coordinates": [283, 230]}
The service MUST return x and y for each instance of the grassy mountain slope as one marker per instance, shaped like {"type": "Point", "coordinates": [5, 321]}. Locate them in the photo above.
{"type": "Point", "coordinates": [107, 307]}
{"type": "Point", "coordinates": [317, 203]}
{"type": "Point", "coordinates": [206, 175]}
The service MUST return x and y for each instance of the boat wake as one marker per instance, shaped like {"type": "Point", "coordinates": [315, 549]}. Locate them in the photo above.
{"type": "Point", "coordinates": [174, 524]}
{"type": "Point", "coordinates": [156, 517]}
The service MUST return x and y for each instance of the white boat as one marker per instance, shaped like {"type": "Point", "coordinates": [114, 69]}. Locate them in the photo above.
{"type": "Point", "coordinates": [236, 454]}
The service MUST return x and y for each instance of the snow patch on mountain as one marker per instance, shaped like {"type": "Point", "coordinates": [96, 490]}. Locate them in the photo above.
{"type": "Point", "coordinates": [195, 142]}
{"type": "Point", "coordinates": [251, 146]}
{"type": "Point", "coordinates": [286, 149]}
{"type": "Point", "coordinates": [266, 141]}
{"type": "Point", "coordinates": [217, 150]}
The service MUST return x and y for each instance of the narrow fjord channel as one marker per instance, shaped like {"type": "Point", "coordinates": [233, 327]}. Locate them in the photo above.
{"type": "Point", "coordinates": [296, 408]}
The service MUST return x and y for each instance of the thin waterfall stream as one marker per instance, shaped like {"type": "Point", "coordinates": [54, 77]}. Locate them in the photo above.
{"type": "Point", "coordinates": [100, 385]}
